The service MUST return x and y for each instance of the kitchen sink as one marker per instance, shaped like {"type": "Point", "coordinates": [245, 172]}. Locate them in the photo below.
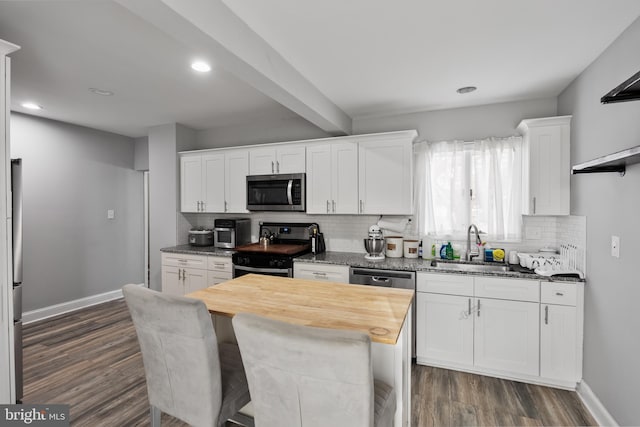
{"type": "Point", "coordinates": [477, 268]}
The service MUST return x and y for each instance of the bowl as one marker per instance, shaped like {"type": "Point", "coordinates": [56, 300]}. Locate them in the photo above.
{"type": "Point", "coordinates": [374, 246]}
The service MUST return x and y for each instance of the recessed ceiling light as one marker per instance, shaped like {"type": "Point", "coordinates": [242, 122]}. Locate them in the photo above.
{"type": "Point", "coordinates": [31, 106]}
{"type": "Point", "coordinates": [201, 66]}
{"type": "Point", "coordinates": [101, 92]}
{"type": "Point", "coordinates": [466, 89]}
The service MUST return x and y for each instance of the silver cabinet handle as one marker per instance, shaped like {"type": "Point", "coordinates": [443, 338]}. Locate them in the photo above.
{"type": "Point", "coordinates": [327, 206]}
{"type": "Point", "coordinates": [560, 294]}
{"type": "Point", "coordinates": [534, 205]}
{"type": "Point", "coordinates": [179, 274]}
{"type": "Point", "coordinates": [277, 167]}
{"type": "Point", "coordinates": [272, 168]}
{"type": "Point", "coordinates": [219, 264]}
{"type": "Point", "coordinates": [198, 209]}
{"type": "Point", "coordinates": [203, 206]}
{"type": "Point", "coordinates": [320, 273]}
{"type": "Point", "coordinates": [469, 309]}
{"type": "Point", "coordinates": [546, 315]}
{"type": "Point", "coordinates": [182, 260]}
{"type": "Point", "coordinates": [225, 205]}
{"type": "Point", "coordinates": [333, 203]}
{"type": "Point", "coordinates": [478, 308]}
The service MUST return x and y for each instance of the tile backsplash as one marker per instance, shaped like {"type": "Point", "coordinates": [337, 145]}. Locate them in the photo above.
{"type": "Point", "coordinates": [344, 233]}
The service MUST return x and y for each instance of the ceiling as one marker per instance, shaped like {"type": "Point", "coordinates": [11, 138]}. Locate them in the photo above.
{"type": "Point", "coordinates": [287, 58]}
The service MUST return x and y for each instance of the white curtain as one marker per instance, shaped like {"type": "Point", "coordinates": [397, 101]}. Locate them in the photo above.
{"type": "Point", "coordinates": [458, 183]}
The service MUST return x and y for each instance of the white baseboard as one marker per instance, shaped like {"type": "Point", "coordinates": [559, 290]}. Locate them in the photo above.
{"type": "Point", "coordinates": [66, 307]}
{"type": "Point", "coordinates": [593, 404]}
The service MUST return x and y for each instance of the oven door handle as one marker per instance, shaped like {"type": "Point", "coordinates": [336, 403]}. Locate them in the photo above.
{"type": "Point", "coordinates": [260, 270]}
{"type": "Point", "coordinates": [289, 188]}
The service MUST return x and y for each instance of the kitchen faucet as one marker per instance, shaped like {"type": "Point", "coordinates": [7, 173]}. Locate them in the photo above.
{"type": "Point", "coordinates": [473, 253]}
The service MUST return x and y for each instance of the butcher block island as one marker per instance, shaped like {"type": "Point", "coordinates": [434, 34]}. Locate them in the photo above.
{"type": "Point", "coordinates": [382, 313]}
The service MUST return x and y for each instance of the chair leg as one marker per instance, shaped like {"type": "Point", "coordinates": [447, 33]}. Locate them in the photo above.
{"type": "Point", "coordinates": [156, 415]}
{"type": "Point", "coordinates": [243, 419]}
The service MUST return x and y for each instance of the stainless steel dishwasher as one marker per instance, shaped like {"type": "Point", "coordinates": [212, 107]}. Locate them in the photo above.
{"type": "Point", "coordinates": [389, 279]}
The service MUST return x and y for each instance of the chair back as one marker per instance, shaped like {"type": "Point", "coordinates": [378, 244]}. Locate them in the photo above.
{"type": "Point", "coordinates": [180, 354]}
{"type": "Point", "coordinates": [304, 376]}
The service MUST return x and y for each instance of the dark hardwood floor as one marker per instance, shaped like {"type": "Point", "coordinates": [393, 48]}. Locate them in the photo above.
{"type": "Point", "coordinates": [90, 360]}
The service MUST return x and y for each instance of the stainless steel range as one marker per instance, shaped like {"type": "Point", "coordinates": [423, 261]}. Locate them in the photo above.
{"type": "Point", "coordinates": [279, 244]}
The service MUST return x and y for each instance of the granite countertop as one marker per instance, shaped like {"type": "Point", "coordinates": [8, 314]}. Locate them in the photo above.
{"type": "Point", "coordinates": [198, 250]}
{"type": "Point", "coordinates": [353, 259]}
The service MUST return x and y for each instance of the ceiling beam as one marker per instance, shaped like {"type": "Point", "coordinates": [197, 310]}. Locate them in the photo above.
{"type": "Point", "coordinates": [210, 27]}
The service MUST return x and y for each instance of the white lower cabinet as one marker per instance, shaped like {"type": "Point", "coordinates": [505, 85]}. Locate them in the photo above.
{"type": "Point", "coordinates": [219, 269]}
{"type": "Point", "coordinates": [323, 272]}
{"type": "Point", "coordinates": [182, 273]}
{"type": "Point", "coordinates": [445, 330]}
{"type": "Point", "coordinates": [560, 331]}
{"type": "Point", "coordinates": [181, 281]}
{"type": "Point", "coordinates": [514, 328]}
{"type": "Point", "coordinates": [506, 336]}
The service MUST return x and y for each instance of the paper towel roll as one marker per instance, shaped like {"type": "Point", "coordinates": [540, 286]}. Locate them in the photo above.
{"type": "Point", "coordinates": [395, 225]}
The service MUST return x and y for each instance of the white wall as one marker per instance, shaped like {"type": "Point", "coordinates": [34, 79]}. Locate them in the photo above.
{"type": "Point", "coordinates": [290, 129]}
{"type": "Point", "coordinates": [611, 204]}
{"type": "Point", "coordinates": [466, 124]}
{"type": "Point", "coordinates": [164, 192]}
{"type": "Point", "coordinates": [72, 175]}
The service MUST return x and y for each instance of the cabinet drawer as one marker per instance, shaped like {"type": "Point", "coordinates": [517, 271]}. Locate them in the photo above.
{"type": "Point", "coordinates": [215, 277]}
{"type": "Point", "coordinates": [217, 263]}
{"type": "Point", "coordinates": [324, 272]}
{"type": "Point", "coordinates": [182, 260]}
{"type": "Point", "coordinates": [558, 293]}
{"type": "Point", "coordinates": [511, 289]}
{"type": "Point", "coordinates": [450, 284]}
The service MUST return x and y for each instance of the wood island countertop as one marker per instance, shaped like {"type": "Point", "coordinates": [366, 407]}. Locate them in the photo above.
{"type": "Point", "coordinates": [377, 311]}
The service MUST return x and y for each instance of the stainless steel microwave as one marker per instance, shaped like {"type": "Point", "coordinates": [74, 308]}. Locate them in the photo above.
{"type": "Point", "coordinates": [283, 192]}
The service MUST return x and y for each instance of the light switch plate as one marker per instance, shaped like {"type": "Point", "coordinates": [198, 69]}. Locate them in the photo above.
{"type": "Point", "coordinates": [111, 214]}
{"type": "Point", "coordinates": [615, 246]}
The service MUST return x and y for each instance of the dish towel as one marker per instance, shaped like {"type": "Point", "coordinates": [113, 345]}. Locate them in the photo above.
{"type": "Point", "coordinates": [395, 225]}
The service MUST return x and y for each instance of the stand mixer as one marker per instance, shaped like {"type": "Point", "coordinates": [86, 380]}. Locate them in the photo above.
{"type": "Point", "coordinates": [374, 244]}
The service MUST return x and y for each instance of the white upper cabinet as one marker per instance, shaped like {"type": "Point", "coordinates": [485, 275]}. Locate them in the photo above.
{"type": "Point", "coordinates": [214, 178]}
{"type": "Point", "coordinates": [275, 160]}
{"type": "Point", "coordinates": [236, 171]}
{"type": "Point", "coordinates": [191, 196]}
{"type": "Point", "coordinates": [332, 177]}
{"type": "Point", "coordinates": [386, 174]}
{"type": "Point", "coordinates": [214, 181]}
{"type": "Point", "coordinates": [546, 165]}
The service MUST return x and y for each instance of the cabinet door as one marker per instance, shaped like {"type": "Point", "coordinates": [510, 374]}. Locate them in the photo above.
{"type": "Point", "coordinates": [506, 336]}
{"type": "Point", "coordinates": [172, 283]}
{"type": "Point", "coordinates": [213, 177]}
{"type": "Point", "coordinates": [344, 181]}
{"type": "Point", "coordinates": [236, 171]}
{"type": "Point", "coordinates": [190, 183]}
{"type": "Point", "coordinates": [558, 342]}
{"type": "Point", "coordinates": [319, 179]}
{"type": "Point", "coordinates": [262, 161]}
{"type": "Point", "coordinates": [291, 159]}
{"type": "Point", "coordinates": [547, 168]}
{"type": "Point", "coordinates": [444, 328]}
{"type": "Point", "coordinates": [385, 177]}
{"type": "Point", "coordinates": [194, 280]}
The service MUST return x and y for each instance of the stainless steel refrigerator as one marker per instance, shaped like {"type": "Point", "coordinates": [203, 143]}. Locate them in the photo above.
{"type": "Point", "coordinates": [16, 194]}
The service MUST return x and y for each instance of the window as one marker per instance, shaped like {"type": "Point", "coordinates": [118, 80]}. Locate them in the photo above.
{"type": "Point", "coordinates": [459, 183]}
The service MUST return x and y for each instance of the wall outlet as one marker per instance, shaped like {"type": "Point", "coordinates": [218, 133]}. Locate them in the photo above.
{"type": "Point", "coordinates": [615, 246]}
{"type": "Point", "coordinates": [111, 214]}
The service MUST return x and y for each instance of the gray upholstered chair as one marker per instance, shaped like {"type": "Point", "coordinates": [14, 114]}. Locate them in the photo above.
{"type": "Point", "coordinates": [189, 375]}
{"type": "Point", "coordinates": [300, 376]}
